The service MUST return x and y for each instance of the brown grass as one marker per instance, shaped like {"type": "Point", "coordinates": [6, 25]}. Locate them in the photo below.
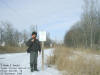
{"type": "Point", "coordinates": [11, 49]}
{"type": "Point", "coordinates": [73, 64]}
{"type": "Point", "coordinates": [88, 50]}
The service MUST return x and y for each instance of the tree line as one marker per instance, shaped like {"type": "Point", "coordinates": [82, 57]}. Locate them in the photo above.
{"type": "Point", "coordinates": [9, 36]}
{"type": "Point", "coordinates": [86, 32]}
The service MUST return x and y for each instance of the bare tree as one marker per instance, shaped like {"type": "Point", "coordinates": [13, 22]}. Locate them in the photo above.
{"type": "Point", "coordinates": [86, 31]}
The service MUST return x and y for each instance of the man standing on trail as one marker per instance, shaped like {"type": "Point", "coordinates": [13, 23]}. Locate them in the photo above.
{"type": "Point", "coordinates": [33, 48]}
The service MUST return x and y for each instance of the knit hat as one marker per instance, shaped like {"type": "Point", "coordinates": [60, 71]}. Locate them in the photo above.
{"type": "Point", "coordinates": [34, 33]}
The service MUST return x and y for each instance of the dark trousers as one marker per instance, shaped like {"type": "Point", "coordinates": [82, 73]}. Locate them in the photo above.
{"type": "Point", "coordinates": [33, 59]}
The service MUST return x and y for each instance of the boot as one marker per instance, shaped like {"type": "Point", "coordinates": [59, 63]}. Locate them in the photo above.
{"type": "Point", "coordinates": [35, 67]}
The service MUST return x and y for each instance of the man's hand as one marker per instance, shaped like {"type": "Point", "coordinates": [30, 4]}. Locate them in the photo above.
{"type": "Point", "coordinates": [32, 40]}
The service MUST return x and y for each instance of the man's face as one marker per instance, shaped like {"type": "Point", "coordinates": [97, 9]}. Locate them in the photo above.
{"type": "Point", "coordinates": [33, 36]}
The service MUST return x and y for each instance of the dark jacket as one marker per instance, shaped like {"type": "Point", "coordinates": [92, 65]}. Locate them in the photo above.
{"type": "Point", "coordinates": [33, 46]}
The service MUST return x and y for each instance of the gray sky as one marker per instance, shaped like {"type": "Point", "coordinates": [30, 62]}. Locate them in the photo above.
{"type": "Point", "coordinates": [54, 16]}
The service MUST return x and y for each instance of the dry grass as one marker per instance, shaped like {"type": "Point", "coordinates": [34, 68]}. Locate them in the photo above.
{"type": "Point", "coordinates": [73, 64]}
{"type": "Point", "coordinates": [10, 49]}
{"type": "Point", "coordinates": [91, 51]}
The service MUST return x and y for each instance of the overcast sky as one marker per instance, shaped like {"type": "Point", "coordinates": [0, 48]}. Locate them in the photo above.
{"type": "Point", "coordinates": [53, 16]}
